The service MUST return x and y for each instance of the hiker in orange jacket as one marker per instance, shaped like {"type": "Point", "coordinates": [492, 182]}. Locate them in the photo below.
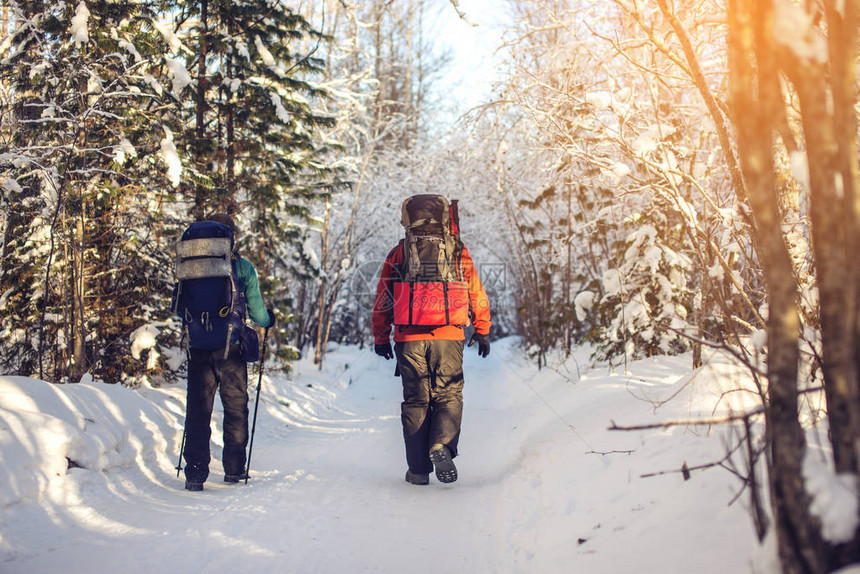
{"type": "Point", "coordinates": [430, 363]}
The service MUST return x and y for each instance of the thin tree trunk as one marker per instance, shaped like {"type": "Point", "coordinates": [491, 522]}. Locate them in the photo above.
{"type": "Point", "coordinates": [381, 77]}
{"type": "Point", "coordinates": [569, 274]}
{"type": "Point", "coordinates": [832, 274]}
{"type": "Point", "coordinates": [798, 538]}
{"type": "Point", "coordinates": [320, 344]}
{"type": "Point", "coordinates": [832, 229]}
{"type": "Point", "coordinates": [78, 291]}
{"type": "Point", "coordinates": [200, 128]}
{"type": "Point", "coordinates": [346, 252]}
{"type": "Point", "coordinates": [407, 84]}
{"type": "Point", "coordinates": [300, 338]}
{"type": "Point", "coordinates": [230, 120]}
{"type": "Point", "coordinates": [842, 36]}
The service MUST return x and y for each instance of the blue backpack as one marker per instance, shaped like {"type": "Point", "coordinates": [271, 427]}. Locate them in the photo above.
{"type": "Point", "coordinates": [207, 294]}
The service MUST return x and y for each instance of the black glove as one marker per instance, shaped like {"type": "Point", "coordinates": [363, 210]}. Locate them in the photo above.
{"type": "Point", "coordinates": [384, 351]}
{"type": "Point", "coordinates": [271, 318]}
{"type": "Point", "coordinates": [483, 344]}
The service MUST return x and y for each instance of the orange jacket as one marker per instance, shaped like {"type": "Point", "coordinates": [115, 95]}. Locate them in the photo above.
{"type": "Point", "coordinates": [383, 309]}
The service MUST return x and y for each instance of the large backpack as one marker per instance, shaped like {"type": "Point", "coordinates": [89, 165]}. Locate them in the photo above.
{"type": "Point", "coordinates": [207, 295]}
{"type": "Point", "coordinates": [430, 290]}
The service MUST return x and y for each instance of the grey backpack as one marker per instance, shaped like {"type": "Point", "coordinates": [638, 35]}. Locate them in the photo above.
{"type": "Point", "coordinates": [430, 290]}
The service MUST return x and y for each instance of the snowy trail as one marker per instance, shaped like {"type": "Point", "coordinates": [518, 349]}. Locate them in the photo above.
{"type": "Point", "coordinates": [327, 493]}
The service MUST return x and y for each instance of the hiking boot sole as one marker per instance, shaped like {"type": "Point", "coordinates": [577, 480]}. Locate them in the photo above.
{"type": "Point", "coordinates": [443, 464]}
{"type": "Point", "coordinates": [193, 486]}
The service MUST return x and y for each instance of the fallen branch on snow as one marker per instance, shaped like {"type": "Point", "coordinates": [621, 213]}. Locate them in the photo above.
{"type": "Point", "coordinates": [731, 417]}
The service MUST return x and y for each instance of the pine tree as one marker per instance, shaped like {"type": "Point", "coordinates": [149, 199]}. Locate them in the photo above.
{"type": "Point", "coordinates": [250, 125]}
{"type": "Point", "coordinates": [84, 96]}
{"type": "Point", "coordinates": [252, 114]}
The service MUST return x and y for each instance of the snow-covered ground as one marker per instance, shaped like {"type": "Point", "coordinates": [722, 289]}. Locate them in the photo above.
{"type": "Point", "coordinates": [544, 486]}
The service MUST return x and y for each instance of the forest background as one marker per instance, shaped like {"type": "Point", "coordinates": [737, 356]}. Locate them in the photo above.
{"type": "Point", "coordinates": [652, 177]}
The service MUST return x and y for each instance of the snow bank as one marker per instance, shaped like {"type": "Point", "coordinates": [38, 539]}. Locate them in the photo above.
{"type": "Point", "coordinates": [50, 430]}
{"type": "Point", "coordinates": [544, 485]}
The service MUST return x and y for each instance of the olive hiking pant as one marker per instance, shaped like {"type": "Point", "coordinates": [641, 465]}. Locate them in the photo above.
{"type": "Point", "coordinates": [432, 409]}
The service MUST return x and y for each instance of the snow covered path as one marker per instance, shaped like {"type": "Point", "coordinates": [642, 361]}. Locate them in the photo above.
{"type": "Point", "coordinates": [327, 493]}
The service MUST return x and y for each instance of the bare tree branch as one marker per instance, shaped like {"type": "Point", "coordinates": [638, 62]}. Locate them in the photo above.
{"type": "Point", "coordinates": [461, 14]}
{"type": "Point", "coordinates": [731, 417]}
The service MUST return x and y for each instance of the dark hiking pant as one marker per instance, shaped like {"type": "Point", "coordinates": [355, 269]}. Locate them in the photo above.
{"type": "Point", "coordinates": [209, 371]}
{"type": "Point", "coordinates": [432, 408]}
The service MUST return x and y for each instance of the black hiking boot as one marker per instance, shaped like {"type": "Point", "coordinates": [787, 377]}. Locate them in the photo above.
{"type": "Point", "coordinates": [193, 486]}
{"type": "Point", "coordinates": [419, 478]}
{"type": "Point", "coordinates": [443, 463]}
{"type": "Point", "coordinates": [234, 478]}
{"type": "Point", "coordinates": [195, 476]}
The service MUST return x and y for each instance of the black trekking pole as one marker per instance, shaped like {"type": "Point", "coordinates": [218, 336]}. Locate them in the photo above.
{"type": "Point", "coordinates": [185, 422]}
{"type": "Point", "coordinates": [256, 404]}
{"type": "Point", "coordinates": [181, 451]}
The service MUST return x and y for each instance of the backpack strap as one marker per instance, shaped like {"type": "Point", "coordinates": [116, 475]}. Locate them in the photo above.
{"type": "Point", "coordinates": [236, 294]}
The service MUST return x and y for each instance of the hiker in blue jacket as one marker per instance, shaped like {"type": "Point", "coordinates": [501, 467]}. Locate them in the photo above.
{"type": "Point", "coordinates": [211, 370]}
